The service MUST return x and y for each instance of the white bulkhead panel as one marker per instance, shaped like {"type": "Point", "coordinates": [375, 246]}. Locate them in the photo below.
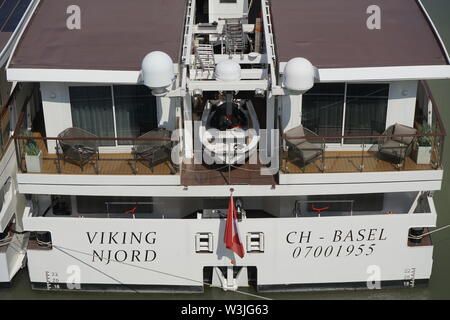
{"type": "Point", "coordinates": [227, 9]}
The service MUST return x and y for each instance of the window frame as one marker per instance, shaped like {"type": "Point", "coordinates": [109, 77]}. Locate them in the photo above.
{"type": "Point", "coordinates": [342, 144]}
{"type": "Point", "coordinates": [117, 148]}
{"type": "Point", "coordinates": [127, 201]}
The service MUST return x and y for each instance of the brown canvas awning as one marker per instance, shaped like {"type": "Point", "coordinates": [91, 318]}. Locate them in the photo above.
{"type": "Point", "coordinates": [334, 34]}
{"type": "Point", "coordinates": [114, 35]}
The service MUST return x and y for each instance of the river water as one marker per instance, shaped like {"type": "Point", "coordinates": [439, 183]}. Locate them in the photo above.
{"type": "Point", "coordinates": [439, 287]}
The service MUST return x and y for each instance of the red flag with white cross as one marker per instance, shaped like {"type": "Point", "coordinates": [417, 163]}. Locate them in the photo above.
{"type": "Point", "coordinates": [231, 239]}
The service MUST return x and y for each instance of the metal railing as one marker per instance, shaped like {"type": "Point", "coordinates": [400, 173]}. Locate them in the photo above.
{"type": "Point", "coordinates": [368, 146]}
{"type": "Point", "coordinates": [324, 208]}
{"type": "Point", "coordinates": [94, 162]}
{"type": "Point", "coordinates": [5, 122]}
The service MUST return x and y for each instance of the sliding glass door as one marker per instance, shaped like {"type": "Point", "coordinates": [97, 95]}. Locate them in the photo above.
{"type": "Point", "coordinates": [322, 110]}
{"type": "Point", "coordinates": [346, 110]}
{"type": "Point", "coordinates": [113, 112]}
{"type": "Point", "coordinates": [366, 109]}
{"type": "Point", "coordinates": [135, 111]}
{"type": "Point", "coordinates": [92, 111]}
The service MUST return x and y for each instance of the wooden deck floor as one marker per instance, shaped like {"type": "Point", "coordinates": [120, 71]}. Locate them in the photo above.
{"type": "Point", "coordinates": [109, 164]}
{"type": "Point", "coordinates": [346, 161]}
{"type": "Point", "coordinates": [246, 174]}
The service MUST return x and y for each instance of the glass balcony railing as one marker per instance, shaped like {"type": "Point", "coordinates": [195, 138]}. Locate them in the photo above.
{"type": "Point", "coordinates": [76, 151]}
{"type": "Point", "coordinates": [5, 123]}
{"type": "Point", "coordinates": [398, 148]}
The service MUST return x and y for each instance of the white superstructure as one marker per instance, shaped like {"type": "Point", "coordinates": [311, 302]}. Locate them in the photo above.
{"type": "Point", "coordinates": [13, 97]}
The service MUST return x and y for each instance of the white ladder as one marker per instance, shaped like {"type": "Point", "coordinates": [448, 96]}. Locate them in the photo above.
{"type": "Point", "coordinates": [234, 36]}
{"type": "Point", "coordinates": [204, 61]}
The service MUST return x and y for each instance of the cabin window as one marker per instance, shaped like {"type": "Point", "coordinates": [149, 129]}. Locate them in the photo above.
{"type": "Point", "coordinates": [346, 110]}
{"type": "Point", "coordinates": [359, 202]}
{"type": "Point", "coordinates": [123, 111]}
{"type": "Point", "coordinates": [342, 205]}
{"type": "Point", "coordinates": [114, 205]}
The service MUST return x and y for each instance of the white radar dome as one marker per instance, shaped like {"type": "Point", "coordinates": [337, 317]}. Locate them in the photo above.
{"type": "Point", "coordinates": [228, 70]}
{"type": "Point", "coordinates": [157, 72]}
{"type": "Point", "coordinates": [299, 75]}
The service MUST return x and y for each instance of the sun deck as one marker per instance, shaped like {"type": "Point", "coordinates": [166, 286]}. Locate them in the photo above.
{"type": "Point", "coordinates": [247, 174]}
{"type": "Point", "coordinates": [364, 158]}
{"type": "Point", "coordinates": [108, 164]}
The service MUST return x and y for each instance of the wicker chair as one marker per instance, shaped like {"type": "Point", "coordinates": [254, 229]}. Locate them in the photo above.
{"type": "Point", "coordinates": [78, 152]}
{"type": "Point", "coordinates": [154, 152]}
{"type": "Point", "coordinates": [397, 148]}
{"type": "Point", "coordinates": [302, 150]}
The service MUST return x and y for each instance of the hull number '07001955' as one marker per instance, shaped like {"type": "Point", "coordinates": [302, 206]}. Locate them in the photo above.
{"type": "Point", "coordinates": [348, 243]}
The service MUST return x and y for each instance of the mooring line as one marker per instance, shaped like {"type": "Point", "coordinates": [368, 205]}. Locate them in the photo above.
{"type": "Point", "coordinates": [149, 269]}
{"type": "Point", "coordinates": [430, 232]}
{"type": "Point", "coordinates": [96, 269]}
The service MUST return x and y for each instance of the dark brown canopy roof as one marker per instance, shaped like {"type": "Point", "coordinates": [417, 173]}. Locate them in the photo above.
{"type": "Point", "coordinates": [4, 38]}
{"type": "Point", "coordinates": [333, 33]}
{"type": "Point", "coordinates": [114, 35]}
{"type": "Point", "coordinates": [11, 15]}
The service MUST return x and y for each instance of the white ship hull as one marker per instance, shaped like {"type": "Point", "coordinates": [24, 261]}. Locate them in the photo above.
{"type": "Point", "coordinates": [298, 253]}
{"type": "Point", "coordinates": [13, 250]}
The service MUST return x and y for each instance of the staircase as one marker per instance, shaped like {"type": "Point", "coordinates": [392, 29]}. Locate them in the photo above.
{"type": "Point", "coordinates": [204, 61]}
{"type": "Point", "coordinates": [234, 36]}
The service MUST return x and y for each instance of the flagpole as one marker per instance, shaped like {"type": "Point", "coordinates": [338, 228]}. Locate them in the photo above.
{"type": "Point", "coordinates": [233, 260]}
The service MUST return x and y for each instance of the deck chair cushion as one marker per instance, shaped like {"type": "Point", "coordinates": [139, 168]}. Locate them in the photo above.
{"type": "Point", "coordinates": [310, 150]}
{"type": "Point", "coordinates": [400, 129]}
{"type": "Point", "coordinates": [78, 152]}
{"type": "Point", "coordinates": [295, 132]}
{"type": "Point", "coordinates": [152, 152]}
{"type": "Point", "coordinates": [393, 148]}
{"type": "Point", "coordinates": [306, 151]}
{"type": "Point", "coordinates": [143, 146]}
